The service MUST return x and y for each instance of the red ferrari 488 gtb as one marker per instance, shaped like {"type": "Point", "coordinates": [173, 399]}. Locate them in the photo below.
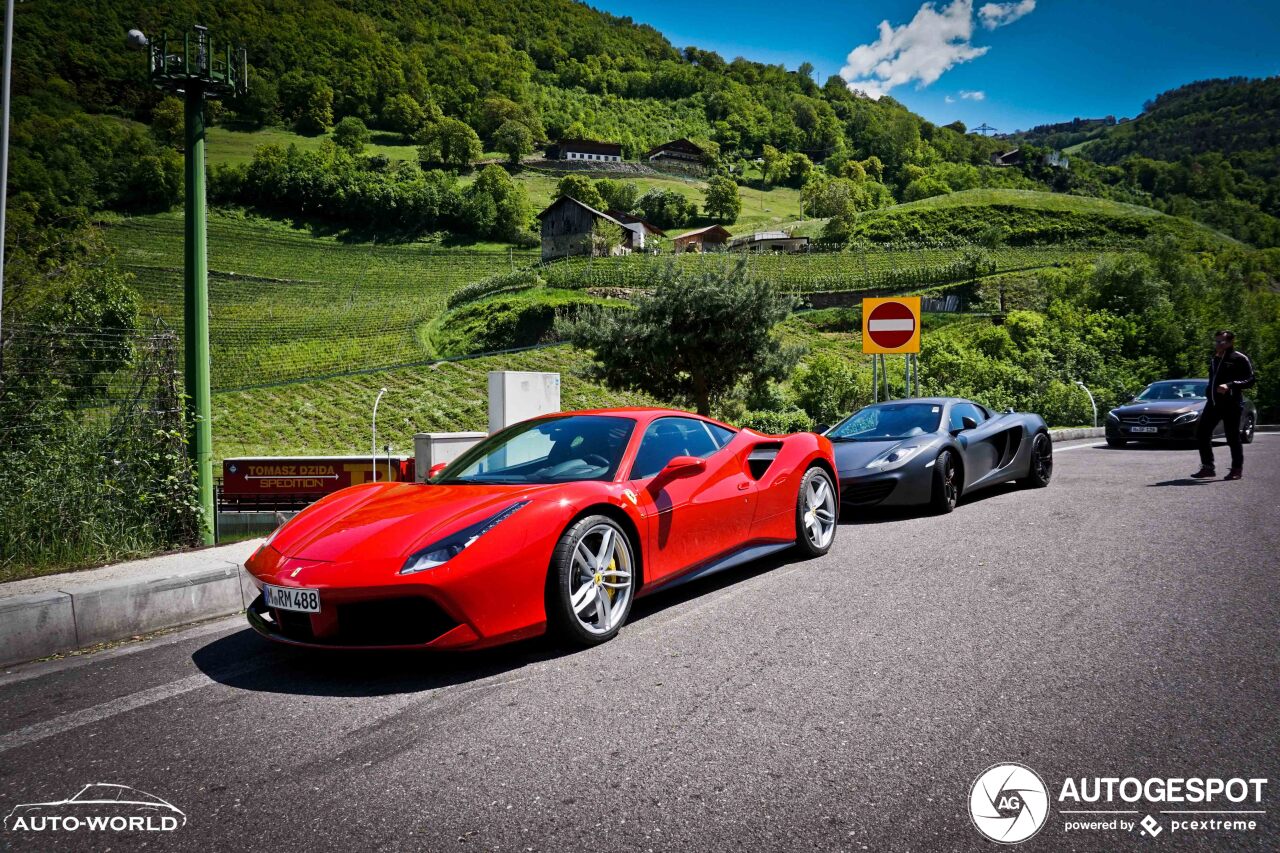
{"type": "Point", "coordinates": [558, 521]}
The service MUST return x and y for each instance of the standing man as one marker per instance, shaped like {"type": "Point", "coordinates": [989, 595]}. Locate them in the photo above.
{"type": "Point", "coordinates": [1230, 372]}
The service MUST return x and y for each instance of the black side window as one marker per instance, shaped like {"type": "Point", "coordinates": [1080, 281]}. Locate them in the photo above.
{"type": "Point", "coordinates": [959, 411]}
{"type": "Point", "coordinates": [720, 435]}
{"type": "Point", "coordinates": [667, 438]}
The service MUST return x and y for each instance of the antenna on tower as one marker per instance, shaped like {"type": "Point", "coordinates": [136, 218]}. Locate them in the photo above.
{"type": "Point", "coordinates": [985, 129]}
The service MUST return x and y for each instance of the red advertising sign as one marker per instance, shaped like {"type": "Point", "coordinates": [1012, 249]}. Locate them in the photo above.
{"type": "Point", "coordinates": [284, 476]}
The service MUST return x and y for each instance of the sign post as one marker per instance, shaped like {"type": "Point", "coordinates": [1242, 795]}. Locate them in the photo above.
{"type": "Point", "coordinates": [891, 326]}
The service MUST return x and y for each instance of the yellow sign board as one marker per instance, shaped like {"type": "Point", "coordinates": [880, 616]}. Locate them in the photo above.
{"type": "Point", "coordinates": [891, 325]}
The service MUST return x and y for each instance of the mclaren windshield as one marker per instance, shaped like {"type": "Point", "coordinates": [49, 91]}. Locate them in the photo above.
{"type": "Point", "coordinates": [1182, 389]}
{"type": "Point", "coordinates": [547, 450]}
{"type": "Point", "coordinates": [888, 422]}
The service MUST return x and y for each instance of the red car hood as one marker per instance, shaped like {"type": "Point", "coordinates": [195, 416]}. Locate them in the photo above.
{"type": "Point", "coordinates": [390, 519]}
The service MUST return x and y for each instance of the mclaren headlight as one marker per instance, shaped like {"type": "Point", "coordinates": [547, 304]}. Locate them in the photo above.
{"type": "Point", "coordinates": [1188, 418]}
{"type": "Point", "coordinates": [895, 456]}
{"type": "Point", "coordinates": [440, 552]}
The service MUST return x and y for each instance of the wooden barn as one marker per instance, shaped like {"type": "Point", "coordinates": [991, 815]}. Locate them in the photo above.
{"type": "Point", "coordinates": [641, 228]}
{"type": "Point", "coordinates": [567, 225]}
{"type": "Point", "coordinates": [676, 149]}
{"type": "Point", "coordinates": [585, 149]}
{"type": "Point", "coordinates": [710, 238]}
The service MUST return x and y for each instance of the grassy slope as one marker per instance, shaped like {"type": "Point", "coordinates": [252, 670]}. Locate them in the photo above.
{"type": "Point", "coordinates": [288, 304]}
{"type": "Point", "coordinates": [331, 416]}
{"type": "Point", "coordinates": [1053, 215]}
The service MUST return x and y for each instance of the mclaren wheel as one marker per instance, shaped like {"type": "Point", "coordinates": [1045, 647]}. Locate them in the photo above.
{"type": "Point", "coordinates": [946, 483]}
{"type": "Point", "coordinates": [1246, 433]}
{"type": "Point", "coordinates": [1040, 466]}
{"type": "Point", "coordinates": [592, 582]}
{"type": "Point", "coordinates": [816, 513]}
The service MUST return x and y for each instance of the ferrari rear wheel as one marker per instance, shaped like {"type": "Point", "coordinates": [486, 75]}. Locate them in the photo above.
{"type": "Point", "coordinates": [946, 485]}
{"type": "Point", "coordinates": [1040, 467]}
{"type": "Point", "coordinates": [593, 575]}
{"type": "Point", "coordinates": [816, 513]}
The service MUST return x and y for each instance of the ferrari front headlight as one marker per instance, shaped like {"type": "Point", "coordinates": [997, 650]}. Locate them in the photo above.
{"type": "Point", "coordinates": [894, 456]}
{"type": "Point", "coordinates": [1189, 417]}
{"type": "Point", "coordinates": [440, 552]}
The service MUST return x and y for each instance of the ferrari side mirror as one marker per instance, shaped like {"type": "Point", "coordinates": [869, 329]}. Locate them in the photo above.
{"type": "Point", "coordinates": [682, 466]}
{"type": "Point", "coordinates": [435, 469]}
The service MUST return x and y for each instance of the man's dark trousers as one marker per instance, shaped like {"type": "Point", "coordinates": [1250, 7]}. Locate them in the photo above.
{"type": "Point", "coordinates": [1229, 413]}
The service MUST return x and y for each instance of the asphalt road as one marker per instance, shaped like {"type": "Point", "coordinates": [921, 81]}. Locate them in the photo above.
{"type": "Point", "coordinates": [1122, 622]}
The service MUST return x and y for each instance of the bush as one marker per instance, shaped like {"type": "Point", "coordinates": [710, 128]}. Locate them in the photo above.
{"type": "Point", "coordinates": [824, 388]}
{"type": "Point", "coordinates": [667, 208]}
{"type": "Point", "coordinates": [351, 135]}
{"type": "Point", "coordinates": [504, 283]}
{"type": "Point", "coordinates": [777, 423]}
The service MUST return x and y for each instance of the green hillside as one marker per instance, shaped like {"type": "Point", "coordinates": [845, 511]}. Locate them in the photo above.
{"type": "Point", "coordinates": [1027, 217]}
{"type": "Point", "coordinates": [286, 303]}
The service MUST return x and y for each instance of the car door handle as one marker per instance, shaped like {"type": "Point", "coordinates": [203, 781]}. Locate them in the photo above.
{"type": "Point", "coordinates": [742, 487]}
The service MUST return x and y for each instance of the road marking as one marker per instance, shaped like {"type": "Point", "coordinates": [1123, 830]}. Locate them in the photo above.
{"type": "Point", "coordinates": [132, 702]}
{"type": "Point", "coordinates": [38, 669]}
{"type": "Point", "coordinates": [1076, 447]}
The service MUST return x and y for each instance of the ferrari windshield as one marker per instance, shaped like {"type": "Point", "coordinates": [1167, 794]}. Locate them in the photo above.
{"type": "Point", "coordinates": [547, 450]}
{"type": "Point", "coordinates": [888, 422]}
{"type": "Point", "coordinates": [1181, 389]}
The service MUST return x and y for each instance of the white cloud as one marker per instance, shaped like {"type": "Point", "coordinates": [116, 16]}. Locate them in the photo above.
{"type": "Point", "coordinates": [971, 95]}
{"type": "Point", "coordinates": [948, 99]}
{"type": "Point", "coordinates": [995, 15]}
{"type": "Point", "coordinates": [937, 39]}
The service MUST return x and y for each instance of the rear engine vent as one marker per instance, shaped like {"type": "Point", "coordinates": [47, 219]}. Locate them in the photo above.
{"type": "Point", "coordinates": [761, 457]}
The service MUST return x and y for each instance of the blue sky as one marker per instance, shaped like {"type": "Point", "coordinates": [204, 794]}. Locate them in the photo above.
{"type": "Point", "coordinates": [1010, 64]}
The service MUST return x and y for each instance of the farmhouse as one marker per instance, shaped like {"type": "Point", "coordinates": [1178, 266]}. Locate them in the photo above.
{"type": "Point", "coordinates": [676, 149]}
{"type": "Point", "coordinates": [1008, 158]}
{"type": "Point", "coordinates": [769, 241]}
{"type": "Point", "coordinates": [583, 149]}
{"type": "Point", "coordinates": [640, 228]}
{"type": "Point", "coordinates": [567, 226]}
{"type": "Point", "coordinates": [712, 237]}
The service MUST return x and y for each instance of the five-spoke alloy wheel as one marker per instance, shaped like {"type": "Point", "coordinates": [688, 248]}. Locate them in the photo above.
{"type": "Point", "coordinates": [816, 513]}
{"type": "Point", "coordinates": [593, 576]}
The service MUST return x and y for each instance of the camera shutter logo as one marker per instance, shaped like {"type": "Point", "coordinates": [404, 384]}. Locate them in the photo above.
{"type": "Point", "coordinates": [1008, 803]}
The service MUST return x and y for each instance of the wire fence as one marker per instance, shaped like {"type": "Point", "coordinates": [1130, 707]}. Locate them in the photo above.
{"type": "Point", "coordinates": [93, 460]}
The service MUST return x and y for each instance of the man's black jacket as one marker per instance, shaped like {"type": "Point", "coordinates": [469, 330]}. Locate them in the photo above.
{"type": "Point", "coordinates": [1235, 371]}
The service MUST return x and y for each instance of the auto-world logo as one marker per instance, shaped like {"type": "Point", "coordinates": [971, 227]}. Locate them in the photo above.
{"type": "Point", "coordinates": [1008, 803]}
{"type": "Point", "coordinates": [98, 807]}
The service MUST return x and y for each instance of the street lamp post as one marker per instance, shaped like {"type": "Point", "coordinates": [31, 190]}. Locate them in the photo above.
{"type": "Point", "coordinates": [1091, 401]}
{"type": "Point", "coordinates": [373, 451]}
{"type": "Point", "coordinates": [193, 71]}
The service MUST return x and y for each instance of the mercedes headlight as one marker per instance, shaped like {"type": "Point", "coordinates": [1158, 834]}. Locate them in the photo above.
{"type": "Point", "coordinates": [1112, 416]}
{"type": "Point", "coordinates": [441, 552]}
{"type": "Point", "coordinates": [1189, 417]}
{"type": "Point", "coordinates": [894, 456]}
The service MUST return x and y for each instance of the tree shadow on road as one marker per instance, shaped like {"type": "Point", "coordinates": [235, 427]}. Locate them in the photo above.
{"type": "Point", "coordinates": [246, 661]}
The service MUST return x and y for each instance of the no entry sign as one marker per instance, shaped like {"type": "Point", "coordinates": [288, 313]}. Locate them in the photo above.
{"type": "Point", "coordinates": [891, 325]}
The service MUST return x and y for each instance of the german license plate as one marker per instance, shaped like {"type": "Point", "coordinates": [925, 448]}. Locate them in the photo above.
{"type": "Point", "coordinates": [1142, 429]}
{"type": "Point", "coordinates": [292, 598]}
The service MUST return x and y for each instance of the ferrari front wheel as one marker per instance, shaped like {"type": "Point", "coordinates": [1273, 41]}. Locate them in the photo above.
{"type": "Point", "coordinates": [816, 513]}
{"type": "Point", "coordinates": [593, 575]}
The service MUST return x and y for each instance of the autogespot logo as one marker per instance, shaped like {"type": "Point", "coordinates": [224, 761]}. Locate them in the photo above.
{"type": "Point", "coordinates": [1008, 803]}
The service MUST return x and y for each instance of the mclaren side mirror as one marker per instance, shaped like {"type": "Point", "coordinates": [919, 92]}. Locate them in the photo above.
{"type": "Point", "coordinates": [968, 423]}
